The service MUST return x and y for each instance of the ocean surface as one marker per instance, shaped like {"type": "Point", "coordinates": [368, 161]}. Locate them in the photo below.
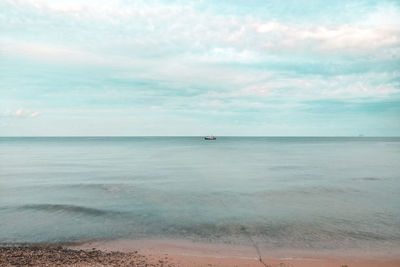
{"type": "Point", "coordinates": [279, 192]}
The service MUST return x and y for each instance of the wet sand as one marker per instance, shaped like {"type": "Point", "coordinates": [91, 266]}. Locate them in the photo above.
{"type": "Point", "coordinates": [187, 253]}
{"type": "Point", "coordinates": [177, 253]}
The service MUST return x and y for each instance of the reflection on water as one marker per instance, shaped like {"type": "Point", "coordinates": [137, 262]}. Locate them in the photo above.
{"type": "Point", "coordinates": [284, 192]}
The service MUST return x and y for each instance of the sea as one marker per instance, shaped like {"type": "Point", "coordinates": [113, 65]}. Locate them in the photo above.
{"type": "Point", "coordinates": [306, 193]}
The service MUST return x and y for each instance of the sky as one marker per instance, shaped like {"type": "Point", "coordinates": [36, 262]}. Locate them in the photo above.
{"type": "Point", "coordinates": [164, 67]}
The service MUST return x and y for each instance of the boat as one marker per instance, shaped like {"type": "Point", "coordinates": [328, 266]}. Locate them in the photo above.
{"type": "Point", "coordinates": [210, 137]}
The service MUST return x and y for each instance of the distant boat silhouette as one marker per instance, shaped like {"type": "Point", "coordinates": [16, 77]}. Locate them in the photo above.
{"type": "Point", "coordinates": [210, 137]}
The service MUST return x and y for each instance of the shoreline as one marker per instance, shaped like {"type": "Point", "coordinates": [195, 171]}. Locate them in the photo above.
{"type": "Point", "coordinates": [221, 250]}
{"type": "Point", "coordinates": [178, 253]}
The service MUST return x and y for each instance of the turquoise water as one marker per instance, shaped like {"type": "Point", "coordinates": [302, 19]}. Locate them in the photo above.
{"type": "Point", "coordinates": [282, 192]}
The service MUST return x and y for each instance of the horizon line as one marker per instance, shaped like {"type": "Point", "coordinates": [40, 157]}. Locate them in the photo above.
{"type": "Point", "coordinates": [77, 136]}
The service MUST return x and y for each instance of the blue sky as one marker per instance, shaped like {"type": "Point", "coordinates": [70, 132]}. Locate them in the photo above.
{"type": "Point", "coordinates": [199, 67]}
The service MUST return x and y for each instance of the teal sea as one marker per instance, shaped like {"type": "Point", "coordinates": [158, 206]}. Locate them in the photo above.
{"type": "Point", "coordinates": [281, 192]}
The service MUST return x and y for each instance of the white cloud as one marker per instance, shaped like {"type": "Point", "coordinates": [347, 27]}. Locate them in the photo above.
{"type": "Point", "coordinates": [334, 38]}
{"type": "Point", "coordinates": [340, 87]}
{"type": "Point", "coordinates": [42, 51]}
{"type": "Point", "coordinates": [182, 46]}
{"type": "Point", "coordinates": [20, 113]}
{"type": "Point", "coordinates": [34, 114]}
{"type": "Point", "coordinates": [225, 55]}
{"type": "Point", "coordinates": [142, 27]}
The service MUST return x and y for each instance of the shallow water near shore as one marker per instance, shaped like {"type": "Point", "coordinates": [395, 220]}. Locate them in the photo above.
{"type": "Point", "coordinates": [299, 193]}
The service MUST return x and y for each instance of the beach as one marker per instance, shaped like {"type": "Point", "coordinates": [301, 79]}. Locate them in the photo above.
{"type": "Point", "coordinates": [160, 253]}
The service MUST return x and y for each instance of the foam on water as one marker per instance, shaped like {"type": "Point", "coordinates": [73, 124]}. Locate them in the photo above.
{"type": "Point", "coordinates": [302, 193]}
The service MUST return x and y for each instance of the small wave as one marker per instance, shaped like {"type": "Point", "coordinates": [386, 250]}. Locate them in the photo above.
{"type": "Point", "coordinates": [367, 179]}
{"type": "Point", "coordinates": [285, 167]}
{"type": "Point", "coordinates": [107, 187]}
{"type": "Point", "coordinates": [66, 208]}
{"type": "Point", "coordinates": [371, 179]}
{"type": "Point", "coordinates": [306, 234]}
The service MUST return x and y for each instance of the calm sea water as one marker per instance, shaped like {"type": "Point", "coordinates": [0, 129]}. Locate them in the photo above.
{"type": "Point", "coordinates": [292, 192]}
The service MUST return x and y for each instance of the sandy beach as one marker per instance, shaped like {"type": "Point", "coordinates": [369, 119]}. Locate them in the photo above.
{"type": "Point", "coordinates": [177, 253]}
{"type": "Point", "coordinates": [188, 253]}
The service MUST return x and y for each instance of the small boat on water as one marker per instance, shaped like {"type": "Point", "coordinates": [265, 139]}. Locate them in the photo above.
{"type": "Point", "coordinates": [210, 137]}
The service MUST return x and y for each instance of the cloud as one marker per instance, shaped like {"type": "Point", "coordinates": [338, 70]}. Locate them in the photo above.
{"type": "Point", "coordinates": [20, 113]}
{"type": "Point", "coordinates": [327, 38]}
{"type": "Point", "coordinates": [163, 29]}
{"type": "Point", "coordinates": [34, 114]}
{"type": "Point", "coordinates": [204, 57]}
{"type": "Point", "coordinates": [46, 52]}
